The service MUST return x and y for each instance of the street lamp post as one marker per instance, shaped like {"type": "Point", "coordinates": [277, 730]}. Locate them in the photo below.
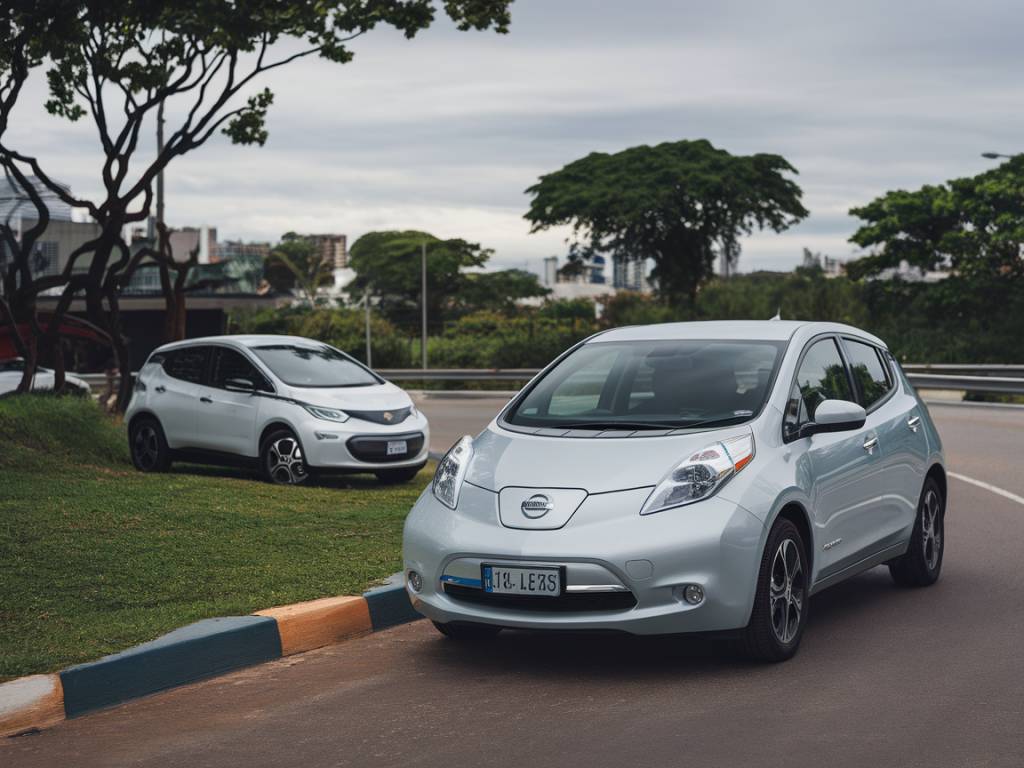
{"type": "Point", "coordinates": [996, 156]}
{"type": "Point", "coordinates": [423, 302]}
{"type": "Point", "coordinates": [366, 303]}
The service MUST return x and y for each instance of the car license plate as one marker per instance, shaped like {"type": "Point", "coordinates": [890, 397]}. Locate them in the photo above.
{"type": "Point", "coordinates": [397, 447]}
{"type": "Point", "coordinates": [515, 580]}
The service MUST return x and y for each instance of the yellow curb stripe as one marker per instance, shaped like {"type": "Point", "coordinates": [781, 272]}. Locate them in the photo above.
{"type": "Point", "coordinates": [316, 623]}
{"type": "Point", "coordinates": [27, 703]}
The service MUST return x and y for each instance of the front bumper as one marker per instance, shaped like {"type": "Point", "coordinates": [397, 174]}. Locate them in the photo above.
{"type": "Point", "coordinates": [608, 551]}
{"type": "Point", "coordinates": [350, 445]}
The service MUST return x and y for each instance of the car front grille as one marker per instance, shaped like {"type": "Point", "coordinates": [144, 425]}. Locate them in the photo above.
{"type": "Point", "coordinates": [394, 416]}
{"type": "Point", "coordinates": [374, 448]}
{"type": "Point", "coordinates": [569, 602]}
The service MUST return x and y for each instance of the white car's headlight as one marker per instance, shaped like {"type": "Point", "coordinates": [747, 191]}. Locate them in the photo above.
{"type": "Point", "coordinates": [701, 475]}
{"type": "Point", "coordinates": [327, 414]}
{"type": "Point", "coordinates": [451, 471]}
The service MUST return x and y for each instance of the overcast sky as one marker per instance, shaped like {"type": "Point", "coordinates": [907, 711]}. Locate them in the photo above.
{"type": "Point", "coordinates": [445, 132]}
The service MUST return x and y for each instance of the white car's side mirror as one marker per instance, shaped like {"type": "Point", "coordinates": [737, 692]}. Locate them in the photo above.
{"type": "Point", "coordinates": [836, 416]}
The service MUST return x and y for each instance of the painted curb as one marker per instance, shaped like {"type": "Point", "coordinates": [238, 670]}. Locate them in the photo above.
{"type": "Point", "coordinates": [314, 624]}
{"type": "Point", "coordinates": [198, 651]}
{"type": "Point", "coordinates": [30, 703]}
{"type": "Point", "coordinates": [389, 604]}
{"type": "Point", "coordinates": [204, 649]}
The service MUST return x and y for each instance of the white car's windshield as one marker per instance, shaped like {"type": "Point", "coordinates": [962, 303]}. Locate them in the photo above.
{"type": "Point", "coordinates": [652, 385]}
{"type": "Point", "coordinates": [314, 365]}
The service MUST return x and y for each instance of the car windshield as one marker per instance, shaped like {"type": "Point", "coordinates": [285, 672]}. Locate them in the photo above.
{"type": "Point", "coordinates": [314, 365]}
{"type": "Point", "coordinates": [652, 385]}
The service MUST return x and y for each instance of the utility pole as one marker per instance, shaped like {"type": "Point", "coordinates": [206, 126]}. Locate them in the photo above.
{"type": "Point", "coordinates": [366, 302]}
{"type": "Point", "coordinates": [423, 302]}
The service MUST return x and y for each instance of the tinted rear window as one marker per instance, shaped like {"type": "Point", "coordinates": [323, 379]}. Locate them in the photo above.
{"type": "Point", "coordinates": [657, 384]}
{"type": "Point", "coordinates": [314, 365]}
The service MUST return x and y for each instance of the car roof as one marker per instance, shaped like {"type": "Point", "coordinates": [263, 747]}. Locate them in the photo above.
{"type": "Point", "coordinates": [731, 330]}
{"type": "Point", "coordinates": [242, 339]}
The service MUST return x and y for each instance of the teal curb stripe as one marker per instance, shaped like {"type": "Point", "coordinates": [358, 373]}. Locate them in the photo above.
{"type": "Point", "coordinates": [389, 604]}
{"type": "Point", "coordinates": [204, 649]}
{"type": "Point", "coordinates": [201, 650]}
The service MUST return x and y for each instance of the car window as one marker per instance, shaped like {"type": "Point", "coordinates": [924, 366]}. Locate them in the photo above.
{"type": "Point", "coordinates": [868, 371]}
{"type": "Point", "coordinates": [314, 365]}
{"type": "Point", "coordinates": [187, 363]}
{"type": "Point", "coordinates": [670, 383]}
{"type": "Point", "coordinates": [822, 376]}
{"type": "Point", "coordinates": [231, 364]}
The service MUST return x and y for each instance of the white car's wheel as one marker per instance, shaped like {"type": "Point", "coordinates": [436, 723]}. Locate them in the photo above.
{"type": "Point", "coordinates": [282, 460]}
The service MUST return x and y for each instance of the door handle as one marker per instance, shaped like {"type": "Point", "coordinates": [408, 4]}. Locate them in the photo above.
{"type": "Point", "coordinates": [205, 399]}
{"type": "Point", "coordinates": [914, 422]}
{"type": "Point", "coordinates": [160, 388]}
{"type": "Point", "coordinates": [870, 444]}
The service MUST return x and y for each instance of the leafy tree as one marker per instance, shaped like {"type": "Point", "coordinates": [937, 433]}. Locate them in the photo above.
{"type": "Point", "coordinates": [121, 62]}
{"type": "Point", "coordinates": [297, 264]}
{"type": "Point", "coordinates": [974, 226]}
{"type": "Point", "coordinates": [389, 266]}
{"type": "Point", "coordinates": [498, 290]}
{"type": "Point", "coordinates": [681, 204]}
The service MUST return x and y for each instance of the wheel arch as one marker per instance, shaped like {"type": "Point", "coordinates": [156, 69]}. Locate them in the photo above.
{"type": "Point", "coordinates": [796, 513]}
{"type": "Point", "coordinates": [146, 414]}
{"type": "Point", "coordinates": [938, 473]}
{"type": "Point", "coordinates": [270, 427]}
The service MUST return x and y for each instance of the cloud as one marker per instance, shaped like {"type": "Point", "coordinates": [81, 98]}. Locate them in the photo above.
{"type": "Point", "coordinates": [445, 132]}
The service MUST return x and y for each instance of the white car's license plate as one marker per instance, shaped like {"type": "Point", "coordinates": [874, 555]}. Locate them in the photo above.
{"type": "Point", "coordinates": [397, 447]}
{"type": "Point", "coordinates": [515, 580]}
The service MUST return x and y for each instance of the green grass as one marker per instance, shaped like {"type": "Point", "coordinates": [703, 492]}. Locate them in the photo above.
{"type": "Point", "coordinates": [96, 557]}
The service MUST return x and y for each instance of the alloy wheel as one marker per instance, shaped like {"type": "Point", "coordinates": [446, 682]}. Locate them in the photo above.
{"type": "Point", "coordinates": [931, 529]}
{"type": "Point", "coordinates": [284, 461]}
{"type": "Point", "coordinates": [147, 447]}
{"type": "Point", "coordinates": [786, 593]}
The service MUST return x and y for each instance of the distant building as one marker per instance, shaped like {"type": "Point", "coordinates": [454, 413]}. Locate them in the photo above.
{"type": "Point", "coordinates": [630, 275]}
{"type": "Point", "coordinates": [333, 248]}
{"type": "Point", "coordinates": [576, 280]}
{"type": "Point", "coordinates": [186, 240]}
{"type": "Point", "coordinates": [16, 204]}
{"type": "Point", "coordinates": [909, 274]}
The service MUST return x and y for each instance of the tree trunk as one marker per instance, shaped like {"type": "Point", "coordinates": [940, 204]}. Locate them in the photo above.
{"type": "Point", "coordinates": [59, 378]}
{"type": "Point", "coordinates": [25, 385]}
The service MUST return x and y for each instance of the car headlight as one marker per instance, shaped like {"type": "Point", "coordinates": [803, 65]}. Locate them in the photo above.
{"type": "Point", "coordinates": [701, 475]}
{"type": "Point", "coordinates": [451, 471]}
{"type": "Point", "coordinates": [327, 414]}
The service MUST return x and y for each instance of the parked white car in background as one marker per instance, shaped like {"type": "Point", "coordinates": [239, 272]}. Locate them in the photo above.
{"type": "Point", "coordinates": [289, 405]}
{"type": "Point", "coordinates": [11, 371]}
{"type": "Point", "coordinates": [687, 477]}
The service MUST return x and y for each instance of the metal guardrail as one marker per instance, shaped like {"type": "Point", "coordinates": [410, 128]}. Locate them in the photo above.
{"type": "Point", "coordinates": [995, 379]}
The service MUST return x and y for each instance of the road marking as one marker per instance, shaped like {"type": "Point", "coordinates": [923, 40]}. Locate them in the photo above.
{"type": "Point", "coordinates": [988, 487]}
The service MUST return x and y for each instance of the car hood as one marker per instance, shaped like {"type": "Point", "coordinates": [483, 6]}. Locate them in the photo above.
{"type": "Point", "coordinates": [376, 397]}
{"type": "Point", "coordinates": [597, 465]}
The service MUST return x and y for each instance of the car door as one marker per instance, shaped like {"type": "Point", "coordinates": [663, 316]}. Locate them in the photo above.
{"type": "Point", "coordinates": [227, 420]}
{"type": "Point", "coordinates": [175, 393]}
{"type": "Point", "coordinates": [839, 467]}
{"type": "Point", "coordinates": [903, 451]}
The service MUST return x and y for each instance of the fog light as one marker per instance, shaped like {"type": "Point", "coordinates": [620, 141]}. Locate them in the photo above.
{"type": "Point", "coordinates": [325, 436]}
{"type": "Point", "coordinates": [694, 594]}
{"type": "Point", "coordinates": [415, 581]}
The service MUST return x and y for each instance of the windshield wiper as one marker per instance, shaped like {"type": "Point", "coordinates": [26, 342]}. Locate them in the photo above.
{"type": "Point", "coordinates": [601, 425]}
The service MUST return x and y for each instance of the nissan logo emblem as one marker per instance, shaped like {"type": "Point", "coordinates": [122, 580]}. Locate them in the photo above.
{"type": "Point", "coordinates": [537, 505]}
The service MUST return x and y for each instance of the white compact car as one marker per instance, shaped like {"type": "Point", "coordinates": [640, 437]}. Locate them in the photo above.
{"type": "Point", "coordinates": [13, 369]}
{"type": "Point", "coordinates": [290, 405]}
{"type": "Point", "coordinates": [688, 477]}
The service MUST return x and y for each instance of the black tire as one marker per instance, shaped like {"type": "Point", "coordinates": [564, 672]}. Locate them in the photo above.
{"type": "Point", "coordinates": [468, 633]}
{"type": "Point", "coordinates": [148, 446]}
{"type": "Point", "coordinates": [282, 460]}
{"type": "Point", "coordinates": [922, 563]}
{"type": "Point", "coordinates": [398, 476]}
{"type": "Point", "coordinates": [781, 597]}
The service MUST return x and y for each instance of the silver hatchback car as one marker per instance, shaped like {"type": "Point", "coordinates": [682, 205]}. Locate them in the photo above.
{"type": "Point", "coordinates": [687, 477]}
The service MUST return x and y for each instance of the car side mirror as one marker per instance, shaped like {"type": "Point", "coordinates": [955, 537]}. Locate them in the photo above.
{"type": "Point", "coordinates": [240, 385]}
{"type": "Point", "coordinates": [835, 416]}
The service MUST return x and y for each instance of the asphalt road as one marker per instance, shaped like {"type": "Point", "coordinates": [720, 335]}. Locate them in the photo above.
{"type": "Point", "coordinates": [885, 676]}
